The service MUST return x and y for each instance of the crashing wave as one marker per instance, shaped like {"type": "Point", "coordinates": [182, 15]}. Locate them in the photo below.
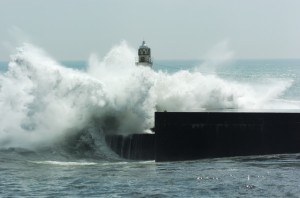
{"type": "Point", "coordinates": [44, 103]}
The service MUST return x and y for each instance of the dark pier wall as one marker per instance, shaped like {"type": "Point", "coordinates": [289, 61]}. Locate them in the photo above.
{"type": "Point", "coordinates": [189, 136]}
{"type": "Point", "coordinates": [134, 147]}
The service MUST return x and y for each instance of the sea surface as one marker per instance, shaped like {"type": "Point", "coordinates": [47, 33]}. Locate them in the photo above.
{"type": "Point", "coordinates": [54, 115]}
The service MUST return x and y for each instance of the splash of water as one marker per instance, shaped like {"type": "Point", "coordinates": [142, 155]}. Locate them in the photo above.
{"type": "Point", "coordinates": [40, 99]}
{"type": "Point", "coordinates": [43, 102]}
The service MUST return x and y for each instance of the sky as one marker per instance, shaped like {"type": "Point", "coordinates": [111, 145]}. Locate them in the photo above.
{"type": "Point", "coordinates": [174, 29]}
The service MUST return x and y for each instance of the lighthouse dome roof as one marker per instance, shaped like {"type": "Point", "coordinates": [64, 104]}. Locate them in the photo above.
{"type": "Point", "coordinates": [144, 45]}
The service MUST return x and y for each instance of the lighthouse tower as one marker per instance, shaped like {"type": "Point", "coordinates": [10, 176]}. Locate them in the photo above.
{"type": "Point", "coordinates": [144, 55]}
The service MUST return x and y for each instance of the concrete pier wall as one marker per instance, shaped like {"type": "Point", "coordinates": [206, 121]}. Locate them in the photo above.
{"type": "Point", "coordinates": [189, 136]}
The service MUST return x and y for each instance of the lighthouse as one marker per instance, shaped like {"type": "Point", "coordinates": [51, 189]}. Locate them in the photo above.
{"type": "Point", "coordinates": [144, 53]}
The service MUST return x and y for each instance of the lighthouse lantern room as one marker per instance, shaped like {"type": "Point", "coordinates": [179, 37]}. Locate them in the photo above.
{"type": "Point", "coordinates": [144, 53]}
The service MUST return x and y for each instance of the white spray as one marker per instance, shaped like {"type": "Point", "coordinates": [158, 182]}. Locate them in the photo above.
{"type": "Point", "coordinates": [41, 101]}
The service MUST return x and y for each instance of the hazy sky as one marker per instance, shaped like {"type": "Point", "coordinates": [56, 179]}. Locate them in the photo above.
{"type": "Point", "coordinates": [174, 29]}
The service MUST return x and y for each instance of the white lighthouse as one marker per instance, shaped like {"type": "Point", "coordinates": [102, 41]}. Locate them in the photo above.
{"type": "Point", "coordinates": [144, 55]}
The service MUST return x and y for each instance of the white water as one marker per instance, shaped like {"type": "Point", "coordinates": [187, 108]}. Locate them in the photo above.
{"type": "Point", "coordinates": [59, 163]}
{"type": "Point", "coordinates": [41, 101]}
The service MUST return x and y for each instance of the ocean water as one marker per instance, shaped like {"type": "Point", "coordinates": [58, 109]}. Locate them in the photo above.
{"type": "Point", "coordinates": [55, 114]}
